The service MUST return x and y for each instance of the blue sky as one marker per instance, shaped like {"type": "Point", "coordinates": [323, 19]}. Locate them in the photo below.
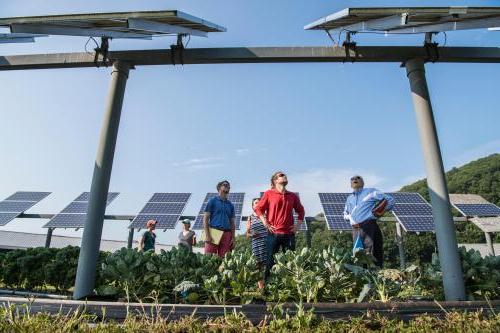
{"type": "Point", "coordinates": [185, 128]}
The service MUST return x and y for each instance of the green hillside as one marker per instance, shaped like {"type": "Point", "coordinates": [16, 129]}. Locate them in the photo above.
{"type": "Point", "coordinates": [477, 177]}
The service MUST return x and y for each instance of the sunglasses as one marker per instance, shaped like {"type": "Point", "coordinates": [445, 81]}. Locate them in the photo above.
{"type": "Point", "coordinates": [355, 178]}
{"type": "Point", "coordinates": [280, 175]}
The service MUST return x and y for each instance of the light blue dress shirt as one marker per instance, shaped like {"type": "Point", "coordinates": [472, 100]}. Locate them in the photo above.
{"type": "Point", "coordinates": [359, 205]}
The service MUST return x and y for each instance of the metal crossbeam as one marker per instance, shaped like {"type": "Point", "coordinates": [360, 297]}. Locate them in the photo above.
{"type": "Point", "coordinates": [253, 55]}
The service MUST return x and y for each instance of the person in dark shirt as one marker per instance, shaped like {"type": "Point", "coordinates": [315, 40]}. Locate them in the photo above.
{"type": "Point", "coordinates": [187, 237]}
{"type": "Point", "coordinates": [148, 238]}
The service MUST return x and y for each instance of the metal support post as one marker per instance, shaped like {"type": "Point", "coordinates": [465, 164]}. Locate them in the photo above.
{"type": "Point", "coordinates": [399, 241]}
{"type": "Point", "coordinates": [445, 229]}
{"type": "Point", "coordinates": [91, 240]}
{"type": "Point", "coordinates": [308, 234]}
{"type": "Point", "coordinates": [130, 238]}
{"type": "Point", "coordinates": [48, 239]}
{"type": "Point", "coordinates": [489, 242]}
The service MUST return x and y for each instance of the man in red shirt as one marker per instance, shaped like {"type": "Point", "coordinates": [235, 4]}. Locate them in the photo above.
{"type": "Point", "coordinates": [275, 210]}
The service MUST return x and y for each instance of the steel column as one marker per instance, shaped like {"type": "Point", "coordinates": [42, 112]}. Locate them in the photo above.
{"type": "Point", "coordinates": [445, 229]}
{"type": "Point", "coordinates": [308, 234]}
{"type": "Point", "coordinates": [489, 242]}
{"type": "Point", "coordinates": [130, 238]}
{"type": "Point", "coordinates": [91, 240]}
{"type": "Point", "coordinates": [48, 239]}
{"type": "Point", "coordinates": [399, 241]}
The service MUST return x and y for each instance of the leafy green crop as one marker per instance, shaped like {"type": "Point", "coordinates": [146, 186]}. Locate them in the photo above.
{"type": "Point", "coordinates": [39, 268]}
{"type": "Point", "coordinates": [308, 275]}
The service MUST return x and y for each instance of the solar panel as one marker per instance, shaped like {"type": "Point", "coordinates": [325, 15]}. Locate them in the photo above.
{"type": "Point", "coordinates": [74, 214]}
{"type": "Point", "coordinates": [17, 203]}
{"type": "Point", "coordinates": [170, 197]}
{"type": "Point", "coordinates": [412, 212]}
{"type": "Point", "coordinates": [407, 197]}
{"type": "Point", "coordinates": [408, 20]}
{"type": "Point", "coordinates": [67, 221]}
{"type": "Point", "coordinates": [336, 222]}
{"type": "Point", "coordinates": [479, 210]}
{"type": "Point", "coordinates": [141, 25]}
{"type": "Point", "coordinates": [406, 205]}
{"type": "Point", "coordinates": [416, 223]}
{"type": "Point", "coordinates": [16, 206]}
{"type": "Point", "coordinates": [85, 196]}
{"type": "Point", "coordinates": [7, 217]}
{"type": "Point", "coordinates": [333, 207]}
{"type": "Point", "coordinates": [76, 207]}
{"type": "Point", "coordinates": [412, 209]}
{"type": "Point", "coordinates": [333, 197]}
{"type": "Point", "coordinates": [165, 208]}
{"type": "Point", "coordinates": [164, 221]}
{"type": "Point", "coordinates": [236, 199]}
{"type": "Point", "coordinates": [28, 196]}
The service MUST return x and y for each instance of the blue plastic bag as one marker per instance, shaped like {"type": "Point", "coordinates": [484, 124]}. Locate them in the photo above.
{"type": "Point", "coordinates": [358, 245]}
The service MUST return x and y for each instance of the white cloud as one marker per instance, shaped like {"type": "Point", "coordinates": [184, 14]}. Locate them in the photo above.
{"type": "Point", "coordinates": [309, 183]}
{"type": "Point", "coordinates": [200, 163]}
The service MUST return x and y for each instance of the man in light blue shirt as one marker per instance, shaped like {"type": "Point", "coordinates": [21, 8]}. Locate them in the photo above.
{"type": "Point", "coordinates": [362, 209]}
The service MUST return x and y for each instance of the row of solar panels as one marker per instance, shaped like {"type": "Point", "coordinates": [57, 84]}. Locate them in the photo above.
{"type": "Point", "coordinates": [145, 24]}
{"type": "Point", "coordinates": [410, 209]}
{"type": "Point", "coordinates": [166, 208]}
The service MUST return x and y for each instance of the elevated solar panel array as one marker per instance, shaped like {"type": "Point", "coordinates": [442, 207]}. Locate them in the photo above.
{"type": "Point", "coordinates": [236, 198]}
{"type": "Point", "coordinates": [303, 226]}
{"type": "Point", "coordinates": [74, 214]}
{"type": "Point", "coordinates": [166, 208]}
{"type": "Point", "coordinates": [18, 203]}
{"type": "Point", "coordinates": [408, 20]}
{"type": "Point", "coordinates": [134, 25]}
{"type": "Point", "coordinates": [410, 209]}
{"type": "Point", "coordinates": [333, 206]}
{"type": "Point", "coordinates": [412, 212]}
{"type": "Point", "coordinates": [481, 212]}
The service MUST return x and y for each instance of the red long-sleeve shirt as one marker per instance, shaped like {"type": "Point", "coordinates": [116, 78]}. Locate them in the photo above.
{"type": "Point", "coordinates": [278, 208]}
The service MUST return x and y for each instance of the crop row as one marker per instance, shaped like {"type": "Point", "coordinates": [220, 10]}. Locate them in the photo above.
{"type": "Point", "coordinates": [328, 275]}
